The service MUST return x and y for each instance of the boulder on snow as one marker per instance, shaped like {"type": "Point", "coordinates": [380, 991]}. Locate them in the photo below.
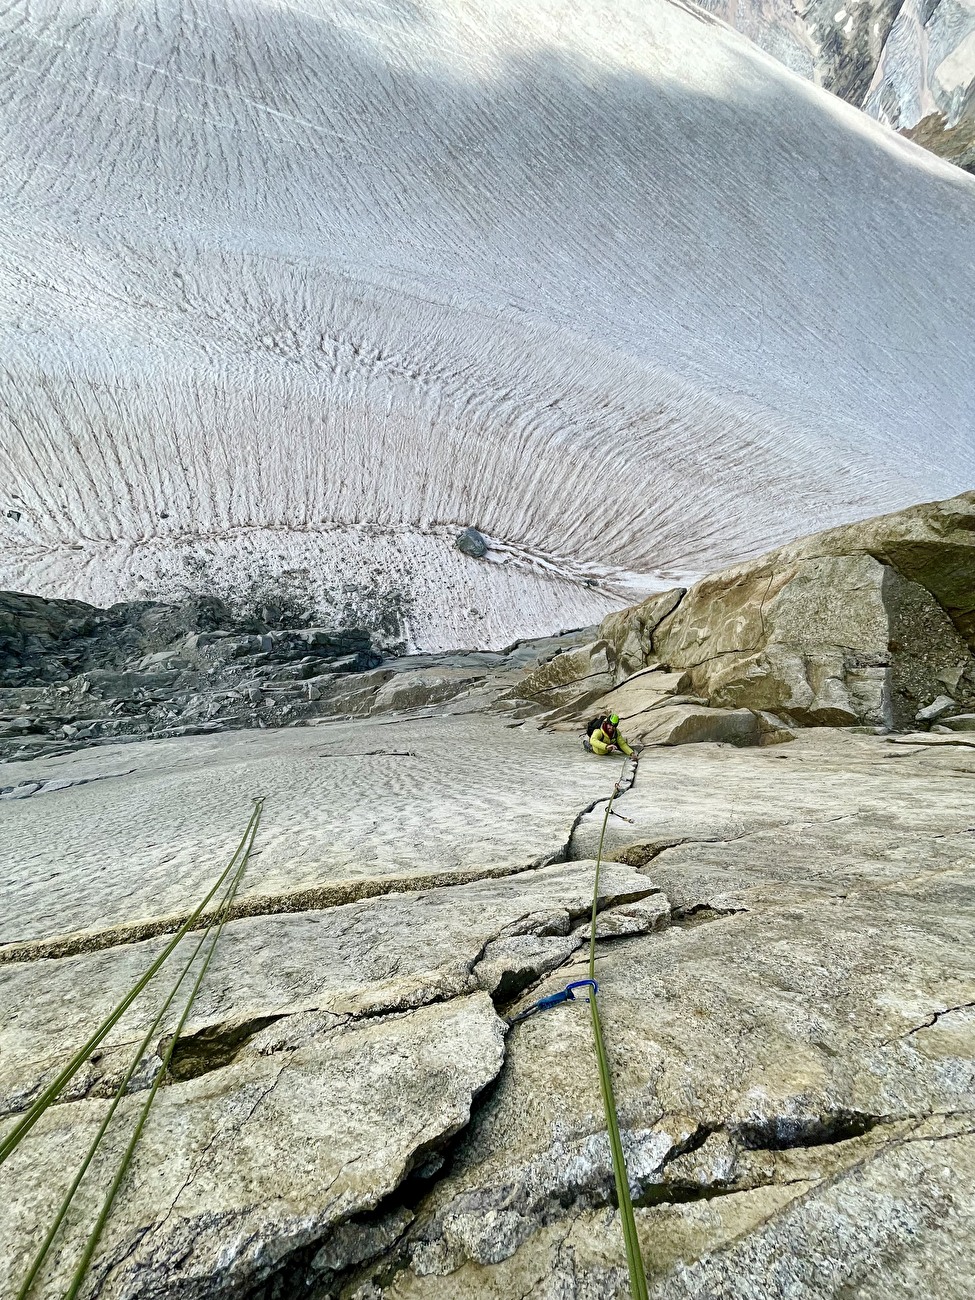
{"type": "Point", "coordinates": [472, 543]}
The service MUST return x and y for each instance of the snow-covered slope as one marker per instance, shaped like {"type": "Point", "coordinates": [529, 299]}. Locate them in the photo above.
{"type": "Point", "coordinates": [908, 63]}
{"type": "Point", "coordinates": [294, 292]}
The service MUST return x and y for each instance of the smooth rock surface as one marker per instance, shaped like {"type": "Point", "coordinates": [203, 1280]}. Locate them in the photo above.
{"type": "Point", "coordinates": [347, 804]}
{"type": "Point", "coordinates": [704, 792]}
{"type": "Point", "coordinates": [794, 1065]}
{"type": "Point", "coordinates": [783, 954]}
{"type": "Point", "coordinates": [387, 954]}
{"type": "Point", "coordinates": [244, 1167]}
{"type": "Point", "coordinates": [689, 724]}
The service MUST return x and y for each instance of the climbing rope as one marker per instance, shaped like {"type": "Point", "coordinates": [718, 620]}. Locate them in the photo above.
{"type": "Point", "coordinates": [40, 1105]}
{"type": "Point", "coordinates": [242, 853]}
{"type": "Point", "coordinates": [96, 1232]}
{"type": "Point", "coordinates": [631, 1241]}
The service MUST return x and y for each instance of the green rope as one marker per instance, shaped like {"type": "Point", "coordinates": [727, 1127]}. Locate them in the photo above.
{"type": "Point", "coordinates": [78, 1276]}
{"type": "Point", "coordinates": [30, 1118]}
{"type": "Point", "coordinates": [634, 1257]}
{"type": "Point", "coordinates": [139, 1053]}
{"type": "Point", "coordinates": [617, 789]}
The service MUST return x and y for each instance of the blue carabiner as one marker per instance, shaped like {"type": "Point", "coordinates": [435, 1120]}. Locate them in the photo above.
{"type": "Point", "coordinates": [553, 999]}
{"type": "Point", "coordinates": [582, 984]}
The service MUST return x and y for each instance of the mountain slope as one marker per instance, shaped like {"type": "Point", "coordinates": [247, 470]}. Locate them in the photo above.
{"type": "Point", "coordinates": [908, 63]}
{"type": "Point", "coordinates": [292, 295]}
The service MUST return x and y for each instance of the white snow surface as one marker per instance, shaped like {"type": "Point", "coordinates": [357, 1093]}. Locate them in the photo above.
{"type": "Point", "coordinates": [292, 293]}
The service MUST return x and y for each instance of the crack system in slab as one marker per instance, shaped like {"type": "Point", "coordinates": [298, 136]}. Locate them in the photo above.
{"type": "Point", "coordinates": [314, 898]}
{"type": "Point", "coordinates": [629, 777]}
{"type": "Point", "coordinates": [216, 1044]}
{"type": "Point", "coordinates": [389, 1222]}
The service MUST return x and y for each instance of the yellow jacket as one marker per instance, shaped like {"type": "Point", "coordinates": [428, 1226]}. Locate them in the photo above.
{"type": "Point", "coordinates": [601, 743]}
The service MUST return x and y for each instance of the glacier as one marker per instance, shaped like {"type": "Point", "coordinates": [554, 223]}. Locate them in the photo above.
{"type": "Point", "coordinates": [291, 294]}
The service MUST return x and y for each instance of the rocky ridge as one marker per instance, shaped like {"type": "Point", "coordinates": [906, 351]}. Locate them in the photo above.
{"type": "Point", "coordinates": [867, 625]}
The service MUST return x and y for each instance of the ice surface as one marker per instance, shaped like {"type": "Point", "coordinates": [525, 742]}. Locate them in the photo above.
{"type": "Point", "coordinates": [294, 293]}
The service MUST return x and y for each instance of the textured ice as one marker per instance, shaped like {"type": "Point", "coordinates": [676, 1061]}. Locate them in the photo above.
{"type": "Point", "coordinates": [294, 293]}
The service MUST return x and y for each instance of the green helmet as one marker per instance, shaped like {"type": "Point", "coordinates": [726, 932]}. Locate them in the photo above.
{"type": "Point", "coordinates": [614, 719]}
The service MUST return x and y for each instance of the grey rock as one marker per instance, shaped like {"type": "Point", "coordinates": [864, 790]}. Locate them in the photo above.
{"type": "Point", "coordinates": [862, 625]}
{"type": "Point", "coordinates": [162, 660]}
{"type": "Point", "coordinates": [938, 735]}
{"type": "Point", "coordinates": [759, 1109]}
{"type": "Point", "coordinates": [472, 543]}
{"type": "Point", "coordinates": [18, 727]}
{"type": "Point", "coordinates": [134, 669]}
{"type": "Point", "coordinates": [186, 729]}
{"type": "Point", "coordinates": [513, 962]}
{"type": "Point", "coordinates": [571, 680]}
{"type": "Point", "coordinates": [361, 1103]}
{"type": "Point", "coordinates": [784, 986]}
{"type": "Point", "coordinates": [354, 695]}
{"type": "Point", "coordinates": [201, 640]}
{"type": "Point", "coordinates": [936, 709]}
{"type": "Point", "coordinates": [684, 724]}
{"type": "Point", "coordinates": [354, 1243]}
{"type": "Point", "coordinates": [960, 722]}
{"type": "Point", "coordinates": [645, 916]}
{"type": "Point", "coordinates": [421, 689]}
{"type": "Point", "coordinates": [383, 955]}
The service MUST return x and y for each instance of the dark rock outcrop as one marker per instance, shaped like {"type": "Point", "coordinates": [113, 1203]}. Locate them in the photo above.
{"type": "Point", "coordinates": [72, 675]}
{"type": "Point", "coordinates": [472, 543]}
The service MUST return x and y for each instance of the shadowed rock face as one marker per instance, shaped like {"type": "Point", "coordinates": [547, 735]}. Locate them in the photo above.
{"type": "Point", "coordinates": [908, 63]}
{"type": "Point", "coordinates": [72, 675]}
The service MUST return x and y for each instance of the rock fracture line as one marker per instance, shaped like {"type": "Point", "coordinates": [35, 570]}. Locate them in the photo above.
{"type": "Point", "coordinates": [634, 1257]}
{"type": "Point", "coordinates": [210, 936]}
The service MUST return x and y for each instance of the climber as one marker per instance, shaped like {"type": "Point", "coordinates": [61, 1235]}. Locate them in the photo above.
{"type": "Point", "coordinates": [603, 736]}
